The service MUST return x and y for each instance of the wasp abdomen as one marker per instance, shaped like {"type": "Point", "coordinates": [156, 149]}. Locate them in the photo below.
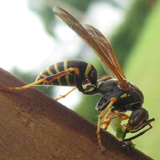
{"type": "Point", "coordinates": [86, 72]}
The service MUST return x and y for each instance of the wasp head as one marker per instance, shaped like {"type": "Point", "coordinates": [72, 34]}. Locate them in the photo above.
{"type": "Point", "coordinates": [137, 120]}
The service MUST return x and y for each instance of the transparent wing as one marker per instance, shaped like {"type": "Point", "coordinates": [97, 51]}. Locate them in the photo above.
{"type": "Point", "coordinates": [105, 46]}
{"type": "Point", "coordinates": [96, 41]}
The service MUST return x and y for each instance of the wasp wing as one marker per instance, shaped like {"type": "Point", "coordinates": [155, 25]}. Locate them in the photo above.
{"type": "Point", "coordinates": [105, 46]}
{"type": "Point", "coordinates": [93, 38]}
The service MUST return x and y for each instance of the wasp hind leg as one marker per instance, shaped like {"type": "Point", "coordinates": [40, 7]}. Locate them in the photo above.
{"type": "Point", "coordinates": [23, 87]}
{"type": "Point", "coordinates": [45, 81]}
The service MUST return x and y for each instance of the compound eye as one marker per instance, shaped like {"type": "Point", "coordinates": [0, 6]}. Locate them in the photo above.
{"type": "Point", "coordinates": [137, 119]}
{"type": "Point", "coordinates": [139, 116]}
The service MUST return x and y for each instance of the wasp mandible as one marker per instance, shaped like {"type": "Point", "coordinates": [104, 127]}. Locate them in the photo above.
{"type": "Point", "coordinates": [118, 94]}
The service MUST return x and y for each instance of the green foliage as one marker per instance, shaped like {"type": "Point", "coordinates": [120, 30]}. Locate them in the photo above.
{"type": "Point", "coordinates": [45, 13]}
{"type": "Point", "coordinates": [142, 68]}
{"type": "Point", "coordinates": [127, 34]}
{"type": "Point", "coordinates": [87, 108]}
{"type": "Point", "coordinates": [81, 5]}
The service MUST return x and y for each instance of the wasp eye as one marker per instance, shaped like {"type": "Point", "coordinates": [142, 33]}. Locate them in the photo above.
{"type": "Point", "coordinates": [137, 119]}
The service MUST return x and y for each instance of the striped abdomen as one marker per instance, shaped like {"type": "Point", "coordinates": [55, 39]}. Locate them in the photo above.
{"type": "Point", "coordinates": [87, 72]}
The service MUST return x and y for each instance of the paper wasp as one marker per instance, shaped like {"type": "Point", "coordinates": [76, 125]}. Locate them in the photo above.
{"type": "Point", "coordinates": [118, 94]}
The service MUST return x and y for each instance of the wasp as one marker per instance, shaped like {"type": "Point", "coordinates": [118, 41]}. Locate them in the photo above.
{"type": "Point", "coordinates": [118, 94]}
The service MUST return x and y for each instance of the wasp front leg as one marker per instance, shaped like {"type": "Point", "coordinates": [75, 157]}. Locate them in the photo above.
{"type": "Point", "coordinates": [109, 117]}
{"type": "Point", "coordinates": [103, 113]}
{"type": "Point", "coordinates": [114, 118]}
{"type": "Point", "coordinates": [116, 124]}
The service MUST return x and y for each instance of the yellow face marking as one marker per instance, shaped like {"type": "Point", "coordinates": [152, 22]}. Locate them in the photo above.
{"type": "Point", "coordinates": [124, 95]}
{"type": "Point", "coordinates": [88, 68]}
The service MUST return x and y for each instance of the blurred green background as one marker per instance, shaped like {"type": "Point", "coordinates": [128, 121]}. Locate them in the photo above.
{"type": "Point", "coordinates": [135, 41]}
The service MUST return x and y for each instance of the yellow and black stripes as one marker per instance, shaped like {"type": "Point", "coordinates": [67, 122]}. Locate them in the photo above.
{"type": "Point", "coordinates": [86, 72]}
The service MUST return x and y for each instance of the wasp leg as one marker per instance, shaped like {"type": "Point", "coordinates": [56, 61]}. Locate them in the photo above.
{"type": "Point", "coordinates": [23, 87]}
{"type": "Point", "coordinates": [103, 113]}
{"type": "Point", "coordinates": [110, 115]}
{"type": "Point", "coordinates": [63, 96]}
{"type": "Point", "coordinates": [45, 80]}
{"type": "Point", "coordinates": [124, 116]}
{"type": "Point", "coordinates": [106, 122]}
